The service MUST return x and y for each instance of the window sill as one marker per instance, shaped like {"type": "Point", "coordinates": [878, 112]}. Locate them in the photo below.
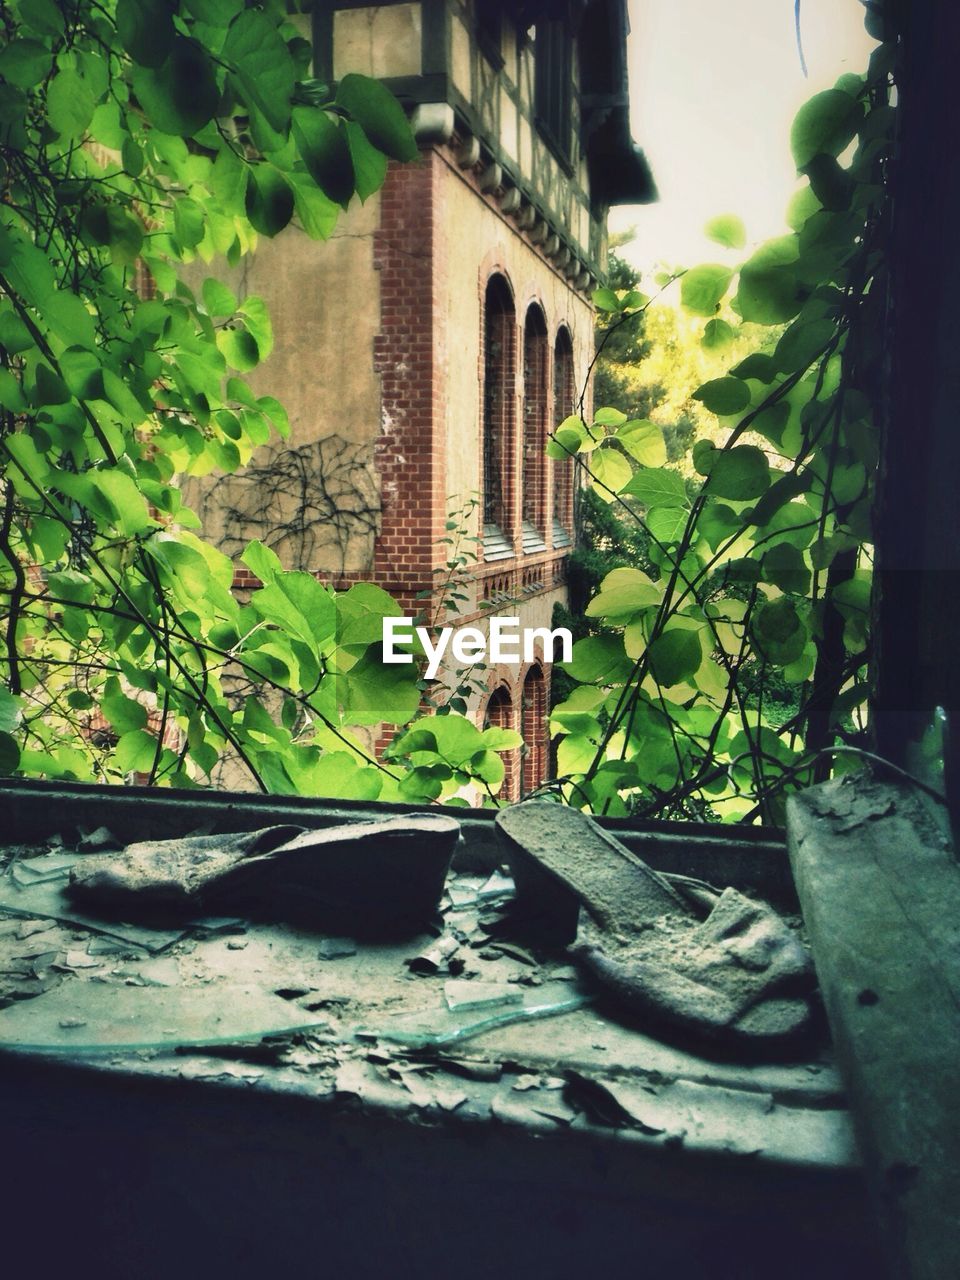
{"type": "Point", "coordinates": [496, 544]}
{"type": "Point", "coordinates": [266, 1132]}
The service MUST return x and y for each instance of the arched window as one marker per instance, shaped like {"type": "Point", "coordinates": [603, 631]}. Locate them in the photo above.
{"type": "Point", "coordinates": [499, 364]}
{"type": "Point", "coordinates": [535, 412]}
{"type": "Point", "coordinates": [534, 730]}
{"type": "Point", "coordinates": [499, 715]}
{"type": "Point", "coordinates": [563, 468]}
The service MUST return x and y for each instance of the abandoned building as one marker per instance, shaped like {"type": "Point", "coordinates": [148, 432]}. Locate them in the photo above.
{"type": "Point", "coordinates": [426, 350]}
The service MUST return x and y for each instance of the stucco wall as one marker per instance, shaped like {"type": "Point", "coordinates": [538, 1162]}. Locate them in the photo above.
{"type": "Point", "coordinates": [315, 496]}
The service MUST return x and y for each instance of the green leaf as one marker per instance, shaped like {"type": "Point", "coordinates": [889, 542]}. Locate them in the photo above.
{"type": "Point", "coordinates": [11, 393]}
{"type": "Point", "coordinates": [739, 473]}
{"type": "Point", "coordinates": [608, 417]}
{"type": "Point", "coordinates": [728, 230]}
{"type": "Point", "coordinates": [832, 185]}
{"type": "Point", "coordinates": [70, 104]}
{"type": "Point", "coordinates": [598, 660]}
{"type": "Point", "coordinates": [758, 366]}
{"type": "Point", "coordinates": [826, 123]}
{"type": "Point", "coordinates": [298, 604]}
{"type": "Point", "coordinates": [702, 288]}
{"type": "Point", "coordinates": [667, 524]}
{"type": "Point", "coordinates": [657, 487]}
{"type": "Point", "coordinates": [123, 713]}
{"type": "Point", "coordinates": [717, 334]}
{"type": "Point", "coordinates": [322, 145]}
{"type": "Point", "coordinates": [82, 373]}
{"type": "Point", "coordinates": [718, 523]}
{"type": "Point", "coordinates": [785, 567]}
{"type": "Point", "coordinates": [218, 299]}
{"type": "Point", "coordinates": [316, 213]}
{"type": "Point", "coordinates": [115, 226]}
{"type": "Point", "coordinates": [369, 164]}
{"type": "Point", "coordinates": [778, 632]}
{"type": "Point", "coordinates": [188, 222]}
{"type": "Point", "coordinates": [488, 767]}
{"type": "Point", "coordinates": [623, 592]}
{"type": "Point", "coordinates": [269, 201]}
{"type": "Point", "coordinates": [778, 495]}
{"type": "Point", "coordinates": [10, 714]}
{"type": "Point", "coordinates": [379, 114]}
{"type": "Point", "coordinates": [675, 655]}
{"type": "Point", "coordinates": [217, 13]}
{"type": "Point", "coordinates": [25, 62]}
{"type": "Point", "coordinates": [9, 754]}
{"type": "Point", "coordinates": [14, 335]}
{"type": "Point", "coordinates": [801, 343]}
{"type": "Point", "coordinates": [264, 71]}
{"type": "Point", "coordinates": [643, 441]}
{"type": "Point", "coordinates": [606, 300]}
{"type": "Point", "coordinates": [145, 28]}
{"type": "Point", "coordinates": [123, 496]}
{"type": "Point", "coordinates": [181, 95]}
{"type": "Point", "coordinates": [257, 317]}
{"type": "Point", "coordinates": [610, 470]}
{"type": "Point", "coordinates": [70, 584]}
{"type": "Point", "coordinates": [239, 349]}
{"type": "Point", "coordinates": [131, 155]}
{"type": "Point", "coordinates": [803, 205]}
{"type": "Point", "coordinates": [723, 396]}
{"type": "Point", "coordinates": [42, 16]}
{"type": "Point", "coordinates": [135, 752]}
{"type": "Point", "coordinates": [565, 442]}
{"type": "Point", "coordinates": [228, 180]}
{"type": "Point", "coordinates": [769, 291]}
{"type": "Point", "coordinates": [372, 692]}
{"type": "Point", "coordinates": [50, 387]}
{"type": "Point", "coordinates": [495, 739]}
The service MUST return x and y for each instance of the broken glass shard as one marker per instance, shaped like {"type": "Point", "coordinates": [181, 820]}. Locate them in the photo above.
{"type": "Point", "coordinates": [89, 1018]}
{"type": "Point", "coordinates": [442, 1026]}
{"type": "Point", "coordinates": [463, 994]}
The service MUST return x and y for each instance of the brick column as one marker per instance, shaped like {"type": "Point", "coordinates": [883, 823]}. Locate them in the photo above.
{"type": "Point", "coordinates": [410, 450]}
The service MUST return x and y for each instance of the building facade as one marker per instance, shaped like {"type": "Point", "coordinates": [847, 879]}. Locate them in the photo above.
{"type": "Point", "coordinates": [427, 349]}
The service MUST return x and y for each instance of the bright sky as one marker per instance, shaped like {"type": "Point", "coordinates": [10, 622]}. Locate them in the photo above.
{"type": "Point", "coordinates": [714, 86]}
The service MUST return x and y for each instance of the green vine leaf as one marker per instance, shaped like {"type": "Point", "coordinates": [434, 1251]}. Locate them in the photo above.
{"type": "Point", "coordinates": [727, 230]}
{"type": "Point", "coordinates": [824, 125]}
{"type": "Point", "coordinates": [703, 288]}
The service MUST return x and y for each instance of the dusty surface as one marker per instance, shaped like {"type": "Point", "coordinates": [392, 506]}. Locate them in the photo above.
{"type": "Point", "coordinates": [390, 1026]}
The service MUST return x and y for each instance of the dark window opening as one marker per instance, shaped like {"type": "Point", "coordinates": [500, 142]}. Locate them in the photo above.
{"type": "Point", "coordinates": [563, 469]}
{"type": "Point", "coordinates": [499, 715]}
{"type": "Point", "coordinates": [488, 24]}
{"type": "Point", "coordinates": [534, 730]}
{"type": "Point", "coordinates": [553, 56]}
{"type": "Point", "coordinates": [535, 410]}
{"type": "Point", "coordinates": [499, 338]}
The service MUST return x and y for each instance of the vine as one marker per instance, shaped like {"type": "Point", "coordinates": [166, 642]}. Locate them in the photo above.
{"type": "Point", "coordinates": [758, 554]}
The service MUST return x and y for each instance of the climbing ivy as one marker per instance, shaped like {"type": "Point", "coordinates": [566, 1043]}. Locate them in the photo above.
{"type": "Point", "coordinates": [758, 544]}
{"type": "Point", "coordinates": [138, 138]}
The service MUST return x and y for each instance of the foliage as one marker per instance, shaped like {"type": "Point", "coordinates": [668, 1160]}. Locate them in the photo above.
{"type": "Point", "coordinates": [139, 136]}
{"type": "Point", "coordinates": [759, 564]}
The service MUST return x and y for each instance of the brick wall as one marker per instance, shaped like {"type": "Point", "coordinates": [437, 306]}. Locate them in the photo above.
{"type": "Point", "coordinates": [410, 451]}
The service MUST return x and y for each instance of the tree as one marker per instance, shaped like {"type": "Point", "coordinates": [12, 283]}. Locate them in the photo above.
{"type": "Point", "coordinates": [138, 136]}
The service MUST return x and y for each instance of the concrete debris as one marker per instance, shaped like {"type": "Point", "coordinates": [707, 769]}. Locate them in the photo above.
{"type": "Point", "coordinates": [739, 978]}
